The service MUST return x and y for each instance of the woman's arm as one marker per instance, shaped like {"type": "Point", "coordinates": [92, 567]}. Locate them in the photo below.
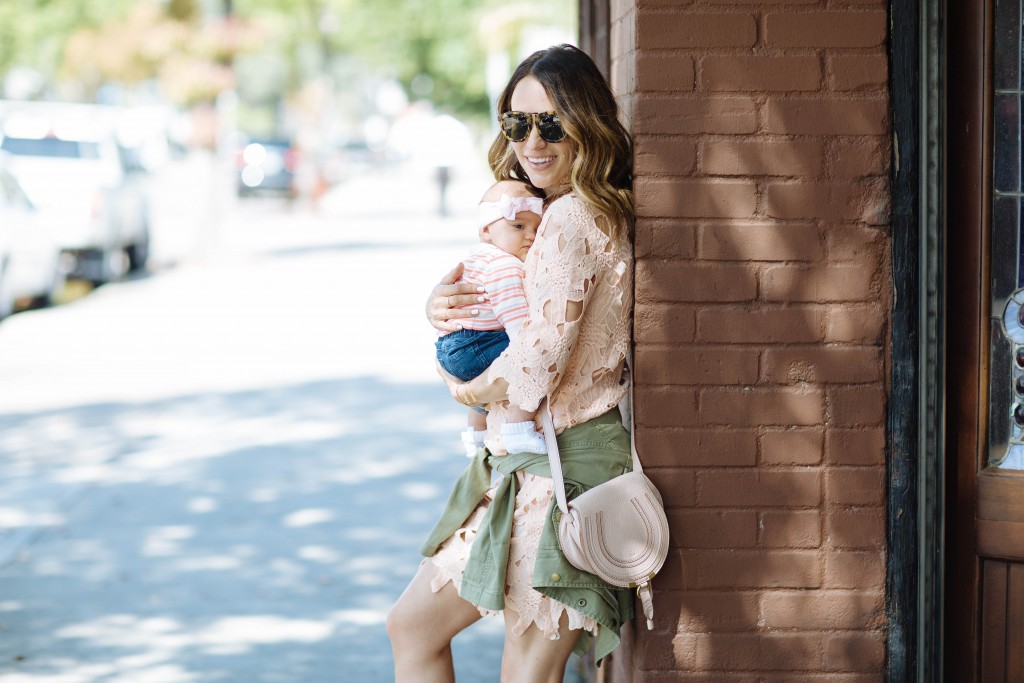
{"type": "Point", "coordinates": [477, 391]}
{"type": "Point", "coordinates": [564, 273]}
{"type": "Point", "coordinates": [443, 305]}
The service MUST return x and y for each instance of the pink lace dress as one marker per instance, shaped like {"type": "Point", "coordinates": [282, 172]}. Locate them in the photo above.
{"type": "Point", "coordinates": [576, 358]}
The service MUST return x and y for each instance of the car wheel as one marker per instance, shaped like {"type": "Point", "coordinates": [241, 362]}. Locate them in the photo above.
{"type": "Point", "coordinates": [138, 253]}
{"type": "Point", "coordinates": [112, 265]}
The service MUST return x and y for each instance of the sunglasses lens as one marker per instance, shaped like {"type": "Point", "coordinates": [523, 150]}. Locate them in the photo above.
{"type": "Point", "coordinates": [515, 127]}
{"type": "Point", "coordinates": [551, 128]}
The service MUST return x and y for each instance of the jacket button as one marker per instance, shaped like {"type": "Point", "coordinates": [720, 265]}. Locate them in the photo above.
{"type": "Point", "coordinates": [556, 577]}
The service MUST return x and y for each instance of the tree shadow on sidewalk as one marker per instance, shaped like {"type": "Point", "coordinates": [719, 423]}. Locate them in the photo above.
{"type": "Point", "coordinates": [246, 536]}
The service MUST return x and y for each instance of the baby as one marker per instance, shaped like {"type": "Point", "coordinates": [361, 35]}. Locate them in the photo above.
{"type": "Point", "coordinates": [509, 215]}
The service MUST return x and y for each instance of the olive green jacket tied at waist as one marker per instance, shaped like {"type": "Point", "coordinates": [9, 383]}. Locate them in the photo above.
{"type": "Point", "coordinates": [591, 454]}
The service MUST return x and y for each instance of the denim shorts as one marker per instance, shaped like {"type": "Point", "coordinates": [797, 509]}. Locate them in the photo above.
{"type": "Point", "coordinates": [468, 353]}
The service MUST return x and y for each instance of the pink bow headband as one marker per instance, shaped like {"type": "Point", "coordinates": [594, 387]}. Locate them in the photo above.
{"type": "Point", "coordinates": [507, 207]}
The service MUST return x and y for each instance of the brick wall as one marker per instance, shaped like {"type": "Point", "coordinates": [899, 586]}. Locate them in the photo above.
{"type": "Point", "coordinates": [762, 153]}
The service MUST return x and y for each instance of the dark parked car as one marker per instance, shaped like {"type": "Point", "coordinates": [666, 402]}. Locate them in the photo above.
{"type": "Point", "coordinates": [266, 165]}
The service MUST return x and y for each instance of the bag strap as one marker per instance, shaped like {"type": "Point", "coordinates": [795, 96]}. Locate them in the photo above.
{"type": "Point", "coordinates": [555, 460]}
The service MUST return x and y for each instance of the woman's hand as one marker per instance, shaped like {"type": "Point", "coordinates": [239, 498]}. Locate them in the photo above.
{"type": "Point", "coordinates": [458, 388]}
{"type": "Point", "coordinates": [475, 392]}
{"type": "Point", "coordinates": [443, 307]}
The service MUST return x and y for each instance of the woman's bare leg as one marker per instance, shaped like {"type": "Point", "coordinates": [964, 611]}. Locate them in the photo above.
{"type": "Point", "coordinates": [421, 626]}
{"type": "Point", "coordinates": [532, 658]}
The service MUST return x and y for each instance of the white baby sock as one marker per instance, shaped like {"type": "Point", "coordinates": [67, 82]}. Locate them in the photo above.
{"type": "Point", "coordinates": [473, 440]}
{"type": "Point", "coordinates": [522, 437]}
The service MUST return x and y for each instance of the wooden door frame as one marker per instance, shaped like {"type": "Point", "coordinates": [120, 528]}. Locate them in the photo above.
{"type": "Point", "coordinates": [915, 424]}
{"type": "Point", "coordinates": [969, 169]}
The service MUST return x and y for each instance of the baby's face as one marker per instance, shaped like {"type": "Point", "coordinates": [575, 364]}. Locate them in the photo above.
{"type": "Point", "coordinates": [513, 237]}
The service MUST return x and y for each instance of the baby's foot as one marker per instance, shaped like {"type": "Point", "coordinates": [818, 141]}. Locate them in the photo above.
{"type": "Point", "coordinates": [522, 437]}
{"type": "Point", "coordinates": [473, 441]}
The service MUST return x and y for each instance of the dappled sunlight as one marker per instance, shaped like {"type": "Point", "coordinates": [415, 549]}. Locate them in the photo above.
{"type": "Point", "coordinates": [312, 545]}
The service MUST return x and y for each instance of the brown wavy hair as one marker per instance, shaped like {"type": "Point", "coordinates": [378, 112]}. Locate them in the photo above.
{"type": "Point", "coordinates": [602, 173]}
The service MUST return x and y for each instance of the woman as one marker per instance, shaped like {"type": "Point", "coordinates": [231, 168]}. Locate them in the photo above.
{"type": "Point", "coordinates": [495, 549]}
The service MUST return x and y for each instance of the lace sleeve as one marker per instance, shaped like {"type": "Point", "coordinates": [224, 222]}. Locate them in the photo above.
{"type": "Point", "coordinates": [559, 282]}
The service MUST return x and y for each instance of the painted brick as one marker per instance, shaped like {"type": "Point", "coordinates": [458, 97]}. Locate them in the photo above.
{"type": "Point", "coordinates": [791, 447]}
{"type": "Point", "coordinates": [789, 529]}
{"type": "Point", "coordinates": [859, 157]}
{"type": "Point", "coordinates": [762, 325]}
{"type": "Point", "coordinates": [699, 677]}
{"type": "Point", "coordinates": [672, 575]}
{"type": "Point", "coordinates": [758, 651]}
{"type": "Point", "coordinates": [826, 29]}
{"type": "Point", "coordinates": [860, 528]}
{"type": "Point", "coordinates": [855, 405]}
{"type": "Point", "coordinates": [855, 243]}
{"type": "Point", "coordinates": [859, 72]}
{"type": "Point", "coordinates": [837, 364]}
{"type": "Point", "coordinates": [693, 447]}
{"type": "Point", "coordinates": [725, 115]}
{"type": "Point", "coordinates": [855, 486]}
{"type": "Point", "coordinates": [854, 569]}
{"type": "Point", "coordinates": [694, 198]}
{"type": "Point", "coordinates": [743, 241]}
{"type": "Point", "coordinates": [695, 30]}
{"type": "Point", "coordinates": [824, 610]}
{"type": "Point", "coordinates": [668, 653]}
{"type": "Point", "coordinates": [701, 365]}
{"type": "Point", "coordinates": [821, 201]}
{"type": "Point", "coordinates": [751, 74]}
{"type": "Point", "coordinates": [760, 487]}
{"type": "Point", "coordinates": [665, 406]}
{"type": "Point", "coordinates": [761, 157]}
{"type": "Point", "coordinates": [677, 487]}
{"type": "Point", "coordinates": [658, 323]}
{"type": "Point", "coordinates": [665, 155]}
{"type": "Point", "coordinates": [664, 72]}
{"type": "Point", "coordinates": [854, 652]}
{"type": "Point", "coordinates": [855, 324]}
{"type": "Point", "coordinates": [877, 202]}
{"type": "Point", "coordinates": [699, 611]}
{"type": "Point", "coordinates": [761, 406]}
{"type": "Point", "coordinates": [665, 240]}
{"type": "Point", "coordinates": [826, 116]}
{"type": "Point", "coordinates": [820, 678]}
{"type": "Point", "coordinates": [855, 447]}
{"type": "Point", "coordinates": [682, 281]}
{"type": "Point", "coordinates": [697, 447]}
{"type": "Point", "coordinates": [753, 568]}
{"type": "Point", "coordinates": [712, 529]}
{"type": "Point", "coordinates": [826, 282]}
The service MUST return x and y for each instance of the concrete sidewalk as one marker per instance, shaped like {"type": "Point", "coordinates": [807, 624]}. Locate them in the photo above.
{"type": "Point", "coordinates": [222, 472]}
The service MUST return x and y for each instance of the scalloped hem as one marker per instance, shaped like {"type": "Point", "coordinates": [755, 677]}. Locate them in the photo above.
{"type": "Point", "coordinates": [531, 607]}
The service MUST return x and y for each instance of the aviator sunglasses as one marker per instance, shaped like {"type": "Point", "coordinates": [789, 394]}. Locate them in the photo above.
{"type": "Point", "coordinates": [516, 125]}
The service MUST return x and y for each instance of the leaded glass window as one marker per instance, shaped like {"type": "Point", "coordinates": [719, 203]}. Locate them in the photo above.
{"type": "Point", "coordinates": [1006, 388]}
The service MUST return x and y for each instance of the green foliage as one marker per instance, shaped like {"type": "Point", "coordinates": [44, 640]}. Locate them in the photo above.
{"type": "Point", "coordinates": [436, 50]}
{"type": "Point", "coordinates": [34, 33]}
{"type": "Point", "coordinates": [443, 43]}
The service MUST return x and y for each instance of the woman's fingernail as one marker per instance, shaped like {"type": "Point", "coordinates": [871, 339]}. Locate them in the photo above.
{"type": "Point", "coordinates": [475, 312]}
{"type": "Point", "coordinates": [479, 288]}
{"type": "Point", "coordinates": [480, 299]}
{"type": "Point", "coordinates": [457, 326]}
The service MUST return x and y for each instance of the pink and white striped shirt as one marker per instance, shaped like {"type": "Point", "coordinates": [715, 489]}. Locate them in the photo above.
{"type": "Point", "coordinates": [501, 275]}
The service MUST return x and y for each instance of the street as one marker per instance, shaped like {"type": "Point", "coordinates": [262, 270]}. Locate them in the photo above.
{"type": "Point", "coordinates": [222, 470]}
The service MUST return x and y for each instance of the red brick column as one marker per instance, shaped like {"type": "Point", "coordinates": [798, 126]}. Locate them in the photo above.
{"type": "Point", "coordinates": [762, 292]}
